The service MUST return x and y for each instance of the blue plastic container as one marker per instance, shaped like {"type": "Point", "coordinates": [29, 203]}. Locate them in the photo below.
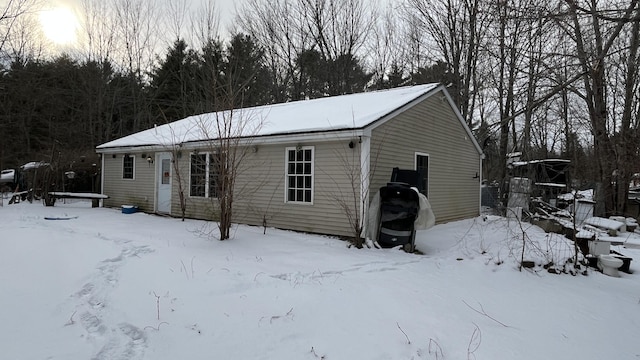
{"type": "Point", "coordinates": [129, 209]}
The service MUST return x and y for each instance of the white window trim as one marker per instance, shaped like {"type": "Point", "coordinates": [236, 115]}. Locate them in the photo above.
{"type": "Point", "coordinates": [415, 167]}
{"type": "Point", "coordinates": [133, 171]}
{"type": "Point", "coordinates": [207, 172]}
{"type": "Point", "coordinates": [286, 174]}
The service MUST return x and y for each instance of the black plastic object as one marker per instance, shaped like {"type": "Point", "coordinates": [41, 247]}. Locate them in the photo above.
{"type": "Point", "coordinates": [411, 177]}
{"type": "Point", "coordinates": [399, 205]}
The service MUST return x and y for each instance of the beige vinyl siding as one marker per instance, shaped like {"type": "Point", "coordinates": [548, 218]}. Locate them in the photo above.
{"type": "Point", "coordinates": [138, 191]}
{"type": "Point", "coordinates": [260, 190]}
{"type": "Point", "coordinates": [196, 207]}
{"type": "Point", "coordinates": [431, 127]}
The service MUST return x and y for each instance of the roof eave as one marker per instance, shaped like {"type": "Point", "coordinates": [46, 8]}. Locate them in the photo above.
{"type": "Point", "coordinates": [124, 149]}
{"type": "Point", "coordinates": [282, 138]}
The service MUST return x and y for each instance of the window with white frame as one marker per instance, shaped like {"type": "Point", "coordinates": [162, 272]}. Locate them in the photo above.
{"type": "Point", "coordinates": [299, 174]}
{"type": "Point", "coordinates": [203, 178]}
{"type": "Point", "coordinates": [422, 166]}
{"type": "Point", "coordinates": [128, 166]}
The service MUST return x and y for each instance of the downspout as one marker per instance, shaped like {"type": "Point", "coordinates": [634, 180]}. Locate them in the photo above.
{"type": "Point", "coordinates": [365, 166]}
{"type": "Point", "coordinates": [480, 184]}
{"type": "Point", "coordinates": [156, 181]}
{"type": "Point", "coordinates": [102, 178]}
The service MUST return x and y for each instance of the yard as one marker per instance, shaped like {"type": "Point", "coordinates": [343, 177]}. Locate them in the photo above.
{"type": "Point", "coordinates": [99, 284]}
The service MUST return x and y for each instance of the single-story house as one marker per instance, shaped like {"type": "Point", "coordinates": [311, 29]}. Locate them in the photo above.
{"type": "Point", "coordinates": [309, 165]}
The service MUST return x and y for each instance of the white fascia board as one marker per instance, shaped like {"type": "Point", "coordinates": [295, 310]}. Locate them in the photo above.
{"type": "Point", "coordinates": [282, 139]}
{"type": "Point", "coordinates": [125, 149]}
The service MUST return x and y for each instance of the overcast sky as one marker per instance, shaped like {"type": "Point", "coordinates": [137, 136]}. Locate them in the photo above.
{"type": "Point", "coordinates": [59, 26]}
{"type": "Point", "coordinates": [225, 7]}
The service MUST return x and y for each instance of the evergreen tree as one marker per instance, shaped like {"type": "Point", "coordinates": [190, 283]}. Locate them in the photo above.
{"type": "Point", "coordinates": [319, 77]}
{"type": "Point", "coordinates": [311, 76]}
{"type": "Point", "coordinates": [173, 84]}
{"type": "Point", "coordinates": [245, 74]}
{"type": "Point", "coordinates": [209, 76]}
{"type": "Point", "coordinates": [347, 75]}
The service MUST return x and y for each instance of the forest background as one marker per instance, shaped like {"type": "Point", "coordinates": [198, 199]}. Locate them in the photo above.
{"type": "Point", "coordinates": [549, 79]}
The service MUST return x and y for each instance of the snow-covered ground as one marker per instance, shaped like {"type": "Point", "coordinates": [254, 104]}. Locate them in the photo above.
{"type": "Point", "coordinates": [107, 285]}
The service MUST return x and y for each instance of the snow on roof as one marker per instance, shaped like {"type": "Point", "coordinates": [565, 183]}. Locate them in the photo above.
{"type": "Point", "coordinates": [343, 112]}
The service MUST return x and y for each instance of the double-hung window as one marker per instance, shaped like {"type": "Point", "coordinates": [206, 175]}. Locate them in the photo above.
{"type": "Point", "coordinates": [128, 166]}
{"type": "Point", "coordinates": [203, 178]}
{"type": "Point", "coordinates": [299, 175]}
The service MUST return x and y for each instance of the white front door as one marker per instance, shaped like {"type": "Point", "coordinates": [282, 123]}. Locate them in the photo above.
{"type": "Point", "coordinates": [163, 176]}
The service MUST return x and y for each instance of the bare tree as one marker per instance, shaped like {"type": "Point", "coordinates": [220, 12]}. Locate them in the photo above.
{"type": "Point", "coordinates": [205, 23]}
{"type": "Point", "coordinates": [230, 133]}
{"type": "Point", "coordinates": [137, 27]}
{"type": "Point", "coordinates": [629, 86]}
{"type": "Point", "coordinates": [99, 30]}
{"type": "Point", "coordinates": [338, 27]}
{"type": "Point", "coordinates": [536, 38]}
{"type": "Point", "coordinates": [507, 29]}
{"type": "Point", "coordinates": [24, 42]}
{"type": "Point", "coordinates": [415, 47]}
{"type": "Point", "coordinates": [278, 27]}
{"type": "Point", "coordinates": [137, 24]}
{"type": "Point", "coordinates": [10, 12]}
{"type": "Point", "coordinates": [456, 34]}
{"type": "Point", "coordinates": [595, 33]}
{"type": "Point", "coordinates": [176, 13]}
{"type": "Point", "coordinates": [335, 30]}
{"type": "Point", "coordinates": [384, 48]}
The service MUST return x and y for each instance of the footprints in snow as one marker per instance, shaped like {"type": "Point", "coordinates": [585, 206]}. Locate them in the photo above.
{"type": "Point", "coordinates": [126, 342]}
{"type": "Point", "coordinates": [121, 340]}
{"type": "Point", "coordinates": [92, 323]}
{"type": "Point", "coordinates": [317, 276]}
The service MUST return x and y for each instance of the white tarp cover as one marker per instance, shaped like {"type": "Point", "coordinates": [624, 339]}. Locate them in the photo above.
{"type": "Point", "coordinates": [425, 219]}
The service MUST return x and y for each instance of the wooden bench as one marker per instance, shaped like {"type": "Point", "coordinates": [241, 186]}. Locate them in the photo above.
{"type": "Point", "coordinates": [95, 198]}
